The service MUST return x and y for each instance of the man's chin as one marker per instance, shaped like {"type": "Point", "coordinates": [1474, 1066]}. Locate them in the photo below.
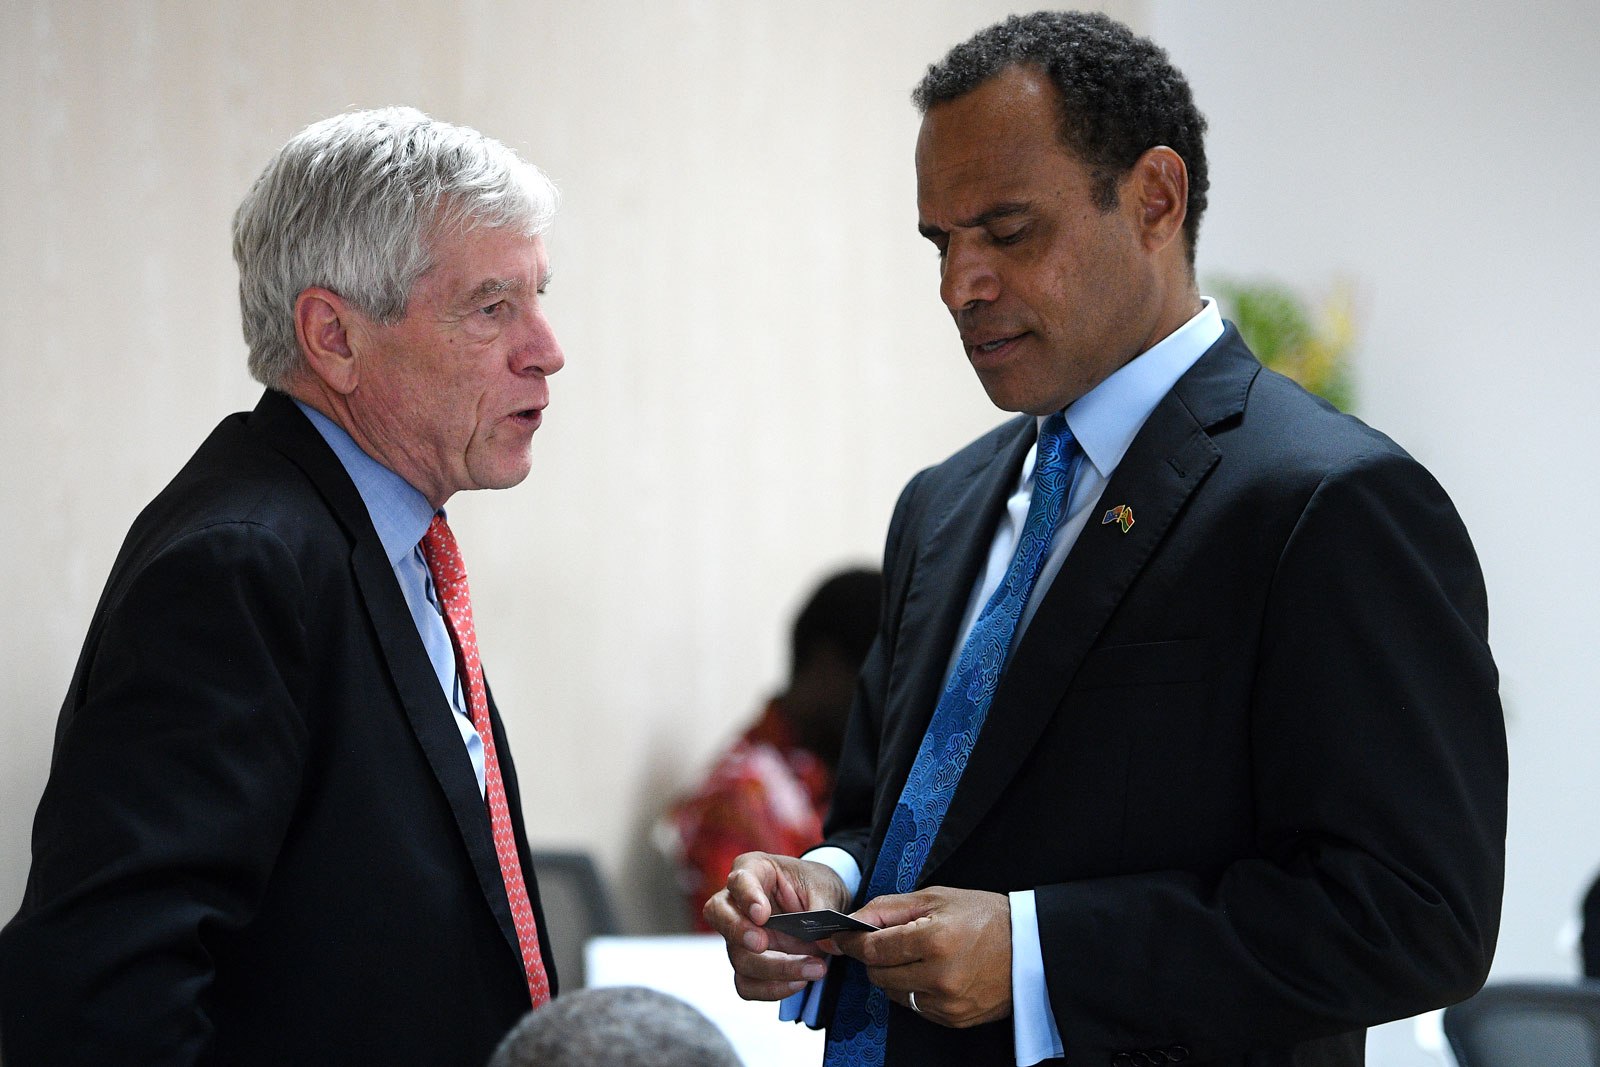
{"type": "Point", "coordinates": [503, 475]}
{"type": "Point", "coordinates": [1010, 395]}
{"type": "Point", "coordinates": [1006, 396]}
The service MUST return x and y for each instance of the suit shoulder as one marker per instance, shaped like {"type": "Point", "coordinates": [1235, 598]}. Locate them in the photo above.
{"type": "Point", "coordinates": [978, 454]}
{"type": "Point", "coordinates": [235, 478]}
{"type": "Point", "coordinates": [1299, 434]}
{"type": "Point", "coordinates": [956, 470]}
{"type": "Point", "coordinates": [1290, 456]}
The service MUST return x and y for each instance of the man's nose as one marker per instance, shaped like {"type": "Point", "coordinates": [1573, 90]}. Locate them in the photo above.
{"type": "Point", "coordinates": [539, 352]}
{"type": "Point", "coordinates": [967, 276]}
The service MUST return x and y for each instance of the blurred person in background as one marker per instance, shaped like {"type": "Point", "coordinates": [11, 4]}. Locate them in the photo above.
{"type": "Point", "coordinates": [615, 1026]}
{"type": "Point", "coordinates": [770, 791]}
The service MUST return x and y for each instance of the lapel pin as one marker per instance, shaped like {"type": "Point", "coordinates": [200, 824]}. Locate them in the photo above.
{"type": "Point", "coordinates": [1122, 515]}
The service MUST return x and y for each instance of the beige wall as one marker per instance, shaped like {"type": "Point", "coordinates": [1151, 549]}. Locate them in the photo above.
{"type": "Point", "coordinates": [756, 356]}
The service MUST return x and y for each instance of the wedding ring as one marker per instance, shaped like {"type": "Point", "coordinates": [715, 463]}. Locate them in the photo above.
{"type": "Point", "coordinates": [914, 1007]}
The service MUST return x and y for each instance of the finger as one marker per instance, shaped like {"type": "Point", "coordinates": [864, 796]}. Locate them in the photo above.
{"type": "Point", "coordinates": [776, 966]}
{"type": "Point", "coordinates": [848, 943]}
{"type": "Point", "coordinates": [747, 891]}
{"type": "Point", "coordinates": [896, 909]}
{"type": "Point", "coordinates": [929, 1005]}
{"type": "Point", "coordinates": [943, 998]}
{"type": "Point", "coordinates": [896, 946]}
{"type": "Point", "coordinates": [921, 977]}
{"type": "Point", "coordinates": [724, 916]}
{"type": "Point", "coordinates": [742, 934]}
{"type": "Point", "coordinates": [786, 896]}
{"type": "Point", "coordinates": [750, 989]}
{"type": "Point", "coordinates": [776, 940]}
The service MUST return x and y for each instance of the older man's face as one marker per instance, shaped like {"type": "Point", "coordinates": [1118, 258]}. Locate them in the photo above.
{"type": "Point", "coordinates": [449, 397]}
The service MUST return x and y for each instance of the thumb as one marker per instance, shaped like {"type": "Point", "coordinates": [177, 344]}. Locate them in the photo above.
{"type": "Point", "coordinates": [895, 909]}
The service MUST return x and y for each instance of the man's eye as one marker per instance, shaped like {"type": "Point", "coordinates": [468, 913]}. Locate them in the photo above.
{"type": "Point", "coordinates": [1012, 237]}
{"type": "Point", "coordinates": [493, 309]}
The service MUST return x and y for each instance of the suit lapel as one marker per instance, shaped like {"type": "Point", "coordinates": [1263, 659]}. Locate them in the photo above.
{"type": "Point", "coordinates": [433, 722]}
{"type": "Point", "coordinates": [1166, 464]}
{"type": "Point", "coordinates": [426, 708]}
{"type": "Point", "coordinates": [947, 565]}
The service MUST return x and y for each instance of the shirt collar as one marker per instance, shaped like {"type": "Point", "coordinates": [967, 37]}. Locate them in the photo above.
{"type": "Point", "coordinates": [1105, 420]}
{"type": "Point", "coordinates": [400, 513]}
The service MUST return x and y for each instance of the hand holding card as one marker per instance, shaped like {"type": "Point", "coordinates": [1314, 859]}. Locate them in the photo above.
{"type": "Point", "coordinates": [815, 925]}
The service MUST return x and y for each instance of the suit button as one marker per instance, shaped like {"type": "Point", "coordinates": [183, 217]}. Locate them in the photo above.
{"type": "Point", "coordinates": [1177, 1054]}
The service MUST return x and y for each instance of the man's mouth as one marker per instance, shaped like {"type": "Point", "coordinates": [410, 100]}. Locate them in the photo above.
{"type": "Point", "coordinates": [981, 349]}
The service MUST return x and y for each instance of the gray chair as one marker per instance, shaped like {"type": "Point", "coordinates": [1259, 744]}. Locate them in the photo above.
{"type": "Point", "coordinates": [576, 906]}
{"type": "Point", "coordinates": [1519, 1024]}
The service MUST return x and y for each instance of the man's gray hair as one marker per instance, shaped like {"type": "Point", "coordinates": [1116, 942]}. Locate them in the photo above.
{"type": "Point", "coordinates": [618, 1026]}
{"type": "Point", "coordinates": [352, 204]}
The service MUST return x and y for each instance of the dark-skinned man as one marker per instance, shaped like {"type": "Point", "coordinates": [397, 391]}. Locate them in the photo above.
{"type": "Point", "coordinates": [1181, 737]}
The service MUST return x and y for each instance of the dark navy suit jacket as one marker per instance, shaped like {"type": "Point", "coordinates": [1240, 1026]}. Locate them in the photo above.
{"type": "Point", "coordinates": [1249, 754]}
{"type": "Point", "coordinates": [261, 841]}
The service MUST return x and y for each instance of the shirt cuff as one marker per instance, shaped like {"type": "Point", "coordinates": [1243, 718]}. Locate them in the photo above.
{"type": "Point", "coordinates": [1033, 1024]}
{"type": "Point", "coordinates": [803, 1006]}
{"type": "Point", "coordinates": [842, 863]}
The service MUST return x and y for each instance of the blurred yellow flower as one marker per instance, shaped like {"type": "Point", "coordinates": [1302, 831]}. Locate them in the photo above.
{"type": "Point", "coordinates": [1312, 347]}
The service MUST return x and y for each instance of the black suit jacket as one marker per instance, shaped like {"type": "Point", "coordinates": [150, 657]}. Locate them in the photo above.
{"type": "Point", "coordinates": [261, 841]}
{"type": "Point", "coordinates": [1590, 937]}
{"type": "Point", "coordinates": [1249, 754]}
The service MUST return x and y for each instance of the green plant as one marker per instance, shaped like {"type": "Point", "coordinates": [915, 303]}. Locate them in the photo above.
{"type": "Point", "coordinates": [1313, 349]}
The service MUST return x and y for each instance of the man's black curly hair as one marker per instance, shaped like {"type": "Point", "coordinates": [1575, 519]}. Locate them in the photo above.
{"type": "Point", "coordinates": [1120, 94]}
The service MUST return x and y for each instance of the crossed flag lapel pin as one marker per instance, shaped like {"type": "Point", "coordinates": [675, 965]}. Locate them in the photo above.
{"type": "Point", "coordinates": [1122, 515]}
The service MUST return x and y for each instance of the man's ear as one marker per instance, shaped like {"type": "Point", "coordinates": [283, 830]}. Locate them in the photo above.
{"type": "Point", "coordinates": [322, 324]}
{"type": "Point", "coordinates": [1159, 186]}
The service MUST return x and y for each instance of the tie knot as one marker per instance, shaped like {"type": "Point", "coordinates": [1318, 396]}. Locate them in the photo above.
{"type": "Point", "coordinates": [444, 557]}
{"type": "Point", "coordinates": [1055, 443]}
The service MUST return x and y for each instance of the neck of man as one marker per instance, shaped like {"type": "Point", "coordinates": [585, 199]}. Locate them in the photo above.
{"type": "Point", "coordinates": [316, 394]}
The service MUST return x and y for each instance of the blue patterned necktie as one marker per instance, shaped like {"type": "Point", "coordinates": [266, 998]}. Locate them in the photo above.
{"type": "Point", "coordinates": [860, 1023]}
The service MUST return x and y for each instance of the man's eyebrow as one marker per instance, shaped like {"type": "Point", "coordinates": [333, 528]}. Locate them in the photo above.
{"type": "Point", "coordinates": [493, 287]}
{"type": "Point", "coordinates": [999, 211]}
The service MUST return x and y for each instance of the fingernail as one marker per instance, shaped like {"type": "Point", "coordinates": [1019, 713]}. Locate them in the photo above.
{"type": "Point", "coordinates": [813, 971]}
{"type": "Point", "coordinates": [752, 941]}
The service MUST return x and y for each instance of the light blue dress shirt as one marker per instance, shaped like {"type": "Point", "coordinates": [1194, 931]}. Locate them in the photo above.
{"type": "Point", "coordinates": [401, 515]}
{"type": "Point", "coordinates": [1104, 421]}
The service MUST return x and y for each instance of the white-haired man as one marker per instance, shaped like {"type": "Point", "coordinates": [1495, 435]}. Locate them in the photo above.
{"type": "Point", "coordinates": [282, 824]}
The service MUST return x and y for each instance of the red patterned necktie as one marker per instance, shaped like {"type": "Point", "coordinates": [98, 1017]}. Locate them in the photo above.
{"type": "Point", "coordinates": [450, 584]}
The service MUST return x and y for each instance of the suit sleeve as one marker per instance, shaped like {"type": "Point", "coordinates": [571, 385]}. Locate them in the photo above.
{"type": "Point", "coordinates": [175, 774]}
{"type": "Point", "coordinates": [1379, 789]}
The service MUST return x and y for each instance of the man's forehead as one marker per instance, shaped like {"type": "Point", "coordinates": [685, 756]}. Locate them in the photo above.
{"type": "Point", "coordinates": [991, 180]}
{"type": "Point", "coordinates": [489, 260]}
{"type": "Point", "coordinates": [970, 144]}
{"type": "Point", "coordinates": [992, 149]}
